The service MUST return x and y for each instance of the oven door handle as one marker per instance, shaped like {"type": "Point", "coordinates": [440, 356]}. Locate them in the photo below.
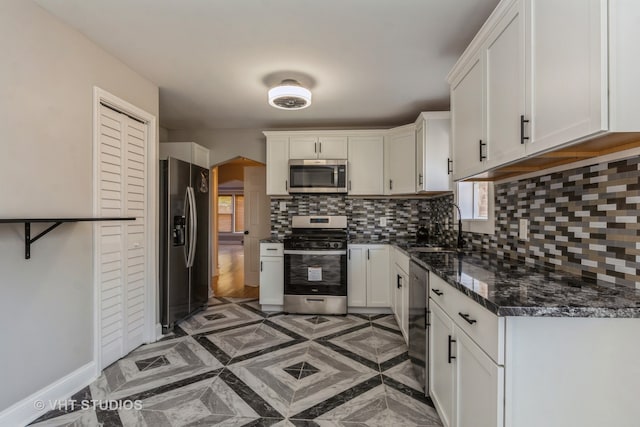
{"type": "Point", "coordinates": [305, 252]}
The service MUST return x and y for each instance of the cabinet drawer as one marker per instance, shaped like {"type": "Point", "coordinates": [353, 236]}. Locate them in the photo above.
{"type": "Point", "coordinates": [271, 249]}
{"type": "Point", "coordinates": [483, 327]}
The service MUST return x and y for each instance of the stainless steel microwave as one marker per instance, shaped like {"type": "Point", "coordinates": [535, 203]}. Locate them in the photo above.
{"type": "Point", "coordinates": [317, 176]}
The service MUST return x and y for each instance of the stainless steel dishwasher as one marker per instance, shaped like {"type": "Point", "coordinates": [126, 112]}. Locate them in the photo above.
{"type": "Point", "coordinates": [419, 323]}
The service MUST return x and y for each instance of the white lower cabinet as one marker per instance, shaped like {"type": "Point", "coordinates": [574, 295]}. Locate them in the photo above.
{"type": "Point", "coordinates": [519, 371]}
{"type": "Point", "coordinates": [368, 273]}
{"type": "Point", "coordinates": [479, 388]}
{"type": "Point", "coordinates": [400, 290]}
{"type": "Point", "coordinates": [271, 274]}
{"type": "Point", "coordinates": [441, 374]}
{"type": "Point", "coordinates": [466, 384]}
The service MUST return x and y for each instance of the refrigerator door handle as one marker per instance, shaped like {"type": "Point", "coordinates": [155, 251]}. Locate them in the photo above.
{"type": "Point", "coordinates": [190, 230]}
{"type": "Point", "coordinates": [194, 226]}
{"type": "Point", "coordinates": [187, 216]}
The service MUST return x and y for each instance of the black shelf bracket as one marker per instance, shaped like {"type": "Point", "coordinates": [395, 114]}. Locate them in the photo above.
{"type": "Point", "coordinates": [28, 241]}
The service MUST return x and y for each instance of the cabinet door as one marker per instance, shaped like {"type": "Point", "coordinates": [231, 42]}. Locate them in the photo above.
{"type": "Point", "coordinates": [433, 152]}
{"type": "Point", "coordinates": [400, 149]}
{"type": "Point", "coordinates": [567, 74]}
{"type": "Point", "coordinates": [356, 276]}
{"type": "Point", "coordinates": [467, 118]}
{"type": "Point", "coordinates": [200, 155]}
{"type": "Point", "coordinates": [378, 290]}
{"type": "Point", "coordinates": [401, 285]}
{"type": "Point", "coordinates": [441, 366]}
{"type": "Point", "coordinates": [303, 147]}
{"type": "Point", "coordinates": [272, 280]}
{"type": "Point", "coordinates": [277, 166]}
{"type": "Point", "coordinates": [332, 147]}
{"type": "Point", "coordinates": [420, 153]}
{"type": "Point", "coordinates": [366, 165]}
{"type": "Point", "coordinates": [479, 386]}
{"type": "Point", "coordinates": [505, 54]}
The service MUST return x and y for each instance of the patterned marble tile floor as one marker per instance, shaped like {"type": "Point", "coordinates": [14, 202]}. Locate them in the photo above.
{"type": "Point", "coordinates": [233, 365]}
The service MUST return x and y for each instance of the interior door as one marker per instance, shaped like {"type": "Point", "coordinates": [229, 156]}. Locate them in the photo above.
{"type": "Point", "coordinates": [257, 222]}
{"type": "Point", "coordinates": [121, 247]}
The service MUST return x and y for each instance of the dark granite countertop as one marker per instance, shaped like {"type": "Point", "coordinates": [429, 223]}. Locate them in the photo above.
{"type": "Point", "coordinates": [271, 240]}
{"type": "Point", "coordinates": [509, 288]}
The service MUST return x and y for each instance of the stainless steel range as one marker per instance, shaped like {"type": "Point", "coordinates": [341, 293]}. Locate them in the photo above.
{"type": "Point", "coordinates": [315, 265]}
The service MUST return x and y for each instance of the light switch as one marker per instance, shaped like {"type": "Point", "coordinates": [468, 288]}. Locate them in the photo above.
{"type": "Point", "coordinates": [523, 230]}
{"type": "Point", "coordinates": [383, 221]}
{"type": "Point", "coordinates": [283, 206]}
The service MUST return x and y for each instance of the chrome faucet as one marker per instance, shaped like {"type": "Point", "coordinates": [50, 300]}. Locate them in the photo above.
{"type": "Point", "coordinates": [460, 239]}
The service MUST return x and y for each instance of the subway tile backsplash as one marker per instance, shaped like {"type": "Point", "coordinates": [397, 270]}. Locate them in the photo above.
{"type": "Point", "coordinates": [403, 215]}
{"type": "Point", "coordinates": [584, 221]}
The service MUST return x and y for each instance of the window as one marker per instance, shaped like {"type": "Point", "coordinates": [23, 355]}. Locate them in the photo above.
{"type": "Point", "coordinates": [475, 199]}
{"type": "Point", "coordinates": [231, 213]}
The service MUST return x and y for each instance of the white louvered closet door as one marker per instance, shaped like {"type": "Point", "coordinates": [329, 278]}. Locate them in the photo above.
{"type": "Point", "coordinates": [121, 245]}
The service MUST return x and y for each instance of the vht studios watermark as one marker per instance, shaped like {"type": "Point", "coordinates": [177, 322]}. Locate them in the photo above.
{"type": "Point", "coordinates": [72, 404]}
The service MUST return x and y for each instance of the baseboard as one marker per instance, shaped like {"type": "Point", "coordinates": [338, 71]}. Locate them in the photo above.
{"type": "Point", "coordinates": [369, 310]}
{"type": "Point", "coordinates": [24, 411]}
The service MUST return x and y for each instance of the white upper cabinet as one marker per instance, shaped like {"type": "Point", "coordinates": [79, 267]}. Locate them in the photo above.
{"type": "Point", "coordinates": [313, 147]}
{"type": "Point", "coordinates": [303, 147]}
{"type": "Point", "coordinates": [433, 151]}
{"type": "Point", "coordinates": [277, 165]}
{"type": "Point", "coordinates": [505, 64]}
{"type": "Point", "coordinates": [189, 152]}
{"type": "Point", "coordinates": [467, 120]}
{"type": "Point", "coordinates": [567, 78]}
{"type": "Point", "coordinates": [400, 152]}
{"type": "Point", "coordinates": [547, 74]}
{"type": "Point", "coordinates": [366, 163]}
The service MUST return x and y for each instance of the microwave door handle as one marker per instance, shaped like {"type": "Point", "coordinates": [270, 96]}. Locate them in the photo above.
{"type": "Point", "coordinates": [335, 176]}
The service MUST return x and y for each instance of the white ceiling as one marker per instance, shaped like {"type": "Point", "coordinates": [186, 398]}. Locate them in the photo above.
{"type": "Point", "coordinates": [367, 62]}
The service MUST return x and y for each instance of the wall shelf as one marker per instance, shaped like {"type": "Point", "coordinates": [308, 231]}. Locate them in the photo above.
{"type": "Point", "coordinates": [56, 222]}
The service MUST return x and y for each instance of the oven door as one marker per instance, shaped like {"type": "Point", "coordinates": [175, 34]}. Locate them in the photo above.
{"type": "Point", "coordinates": [315, 272]}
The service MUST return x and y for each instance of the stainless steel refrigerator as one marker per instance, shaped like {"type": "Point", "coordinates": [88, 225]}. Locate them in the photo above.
{"type": "Point", "coordinates": [184, 240]}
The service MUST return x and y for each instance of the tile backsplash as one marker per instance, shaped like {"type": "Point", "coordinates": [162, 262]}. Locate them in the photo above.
{"type": "Point", "coordinates": [403, 215]}
{"type": "Point", "coordinates": [584, 221]}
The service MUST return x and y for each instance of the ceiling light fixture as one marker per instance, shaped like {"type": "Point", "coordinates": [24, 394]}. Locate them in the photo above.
{"type": "Point", "coordinates": [289, 95]}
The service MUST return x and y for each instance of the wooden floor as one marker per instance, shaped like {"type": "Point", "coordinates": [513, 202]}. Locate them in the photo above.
{"type": "Point", "coordinates": [230, 282]}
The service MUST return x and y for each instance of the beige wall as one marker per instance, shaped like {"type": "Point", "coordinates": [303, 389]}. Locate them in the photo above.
{"type": "Point", "coordinates": [225, 144]}
{"type": "Point", "coordinates": [46, 93]}
{"type": "Point", "coordinates": [163, 134]}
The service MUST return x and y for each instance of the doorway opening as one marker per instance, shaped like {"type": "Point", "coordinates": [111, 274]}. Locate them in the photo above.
{"type": "Point", "coordinates": [236, 205]}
